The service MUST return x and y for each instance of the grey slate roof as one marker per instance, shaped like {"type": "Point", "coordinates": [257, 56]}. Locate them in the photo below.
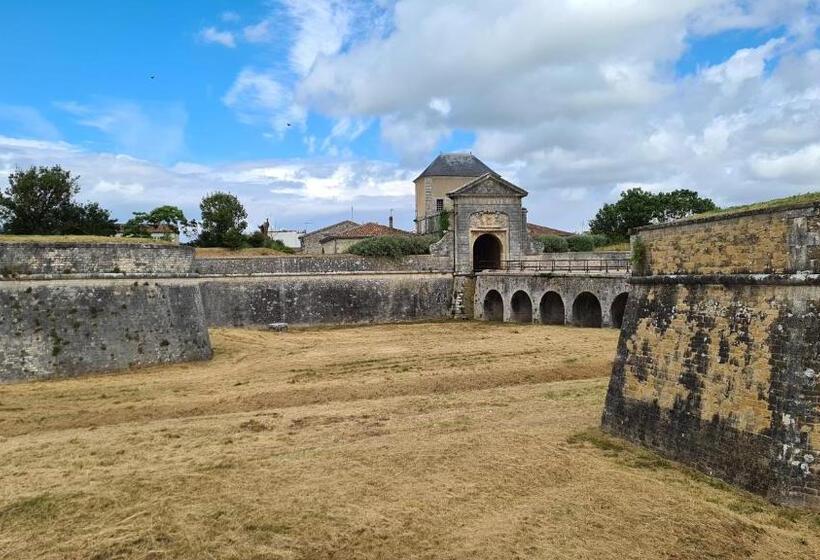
{"type": "Point", "coordinates": [455, 165]}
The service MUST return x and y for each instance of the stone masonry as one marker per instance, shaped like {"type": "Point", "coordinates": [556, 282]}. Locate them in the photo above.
{"type": "Point", "coordinates": [719, 355]}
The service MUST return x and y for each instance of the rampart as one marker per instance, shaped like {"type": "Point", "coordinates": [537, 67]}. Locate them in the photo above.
{"type": "Point", "coordinates": [68, 309]}
{"type": "Point", "coordinates": [231, 266]}
{"type": "Point", "coordinates": [327, 299]}
{"type": "Point", "coordinates": [719, 354]}
{"type": "Point", "coordinates": [71, 327]}
{"type": "Point", "coordinates": [59, 259]}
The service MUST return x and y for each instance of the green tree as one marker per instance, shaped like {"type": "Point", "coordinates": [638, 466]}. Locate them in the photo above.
{"type": "Point", "coordinates": [637, 207]}
{"type": "Point", "coordinates": [224, 220]}
{"type": "Point", "coordinates": [682, 203]}
{"type": "Point", "coordinates": [88, 219]}
{"type": "Point", "coordinates": [170, 216]}
{"type": "Point", "coordinates": [38, 200]}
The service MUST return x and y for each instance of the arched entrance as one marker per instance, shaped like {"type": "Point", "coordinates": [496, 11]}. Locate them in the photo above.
{"type": "Point", "coordinates": [521, 308]}
{"type": "Point", "coordinates": [586, 311]}
{"type": "Point", "coordinates": [493, 306]}
{"type": "Point", "coordinates": [552, 309]}
{"type": "Point", "coordinates": [486, 253]}
{"type": "Point", "coordinates": [616, 311]}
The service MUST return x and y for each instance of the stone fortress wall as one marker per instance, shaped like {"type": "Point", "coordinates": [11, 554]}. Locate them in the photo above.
{"type": "Point", "coordinates": [61, 259]}
{"type": "Point", "coordinates": [68, 309]}
{"type": "Point", "coordinates": [719, 355]}
{"type": "Point", "coordinates": [247, 266]}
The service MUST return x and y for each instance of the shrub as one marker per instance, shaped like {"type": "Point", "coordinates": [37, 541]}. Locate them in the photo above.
{"type": "Point", "coordinates": [259, 239]}
{"type": "Point", "coordinates": [554, 244]}
{"type": "Point", "coordinates": [443, 222]}
{"type": "Point", "coordinates": [639, 257]}
{"type": "Point", "coordinates": [581, 243]}
{"type": "Point", "coordinates": [599, 239]}
{"type": "Point", "coordinates": [393, 247]}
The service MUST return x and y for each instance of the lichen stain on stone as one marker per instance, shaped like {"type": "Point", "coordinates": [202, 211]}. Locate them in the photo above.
{"type": "Point", "coordinates": [731, 377]}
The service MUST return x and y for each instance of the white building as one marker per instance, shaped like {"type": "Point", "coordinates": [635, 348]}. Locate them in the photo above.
{"type": "Point", "coordinates": [290, 237]}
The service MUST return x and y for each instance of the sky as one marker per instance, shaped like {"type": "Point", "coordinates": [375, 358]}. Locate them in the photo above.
{"type": "Point", "coordinates": [315, 110]}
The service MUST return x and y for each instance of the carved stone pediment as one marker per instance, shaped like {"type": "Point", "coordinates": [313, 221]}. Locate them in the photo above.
{"type": "Point", "coordinates": [489, 221]}
{"type": "Point", "coordinates": [490, 185]}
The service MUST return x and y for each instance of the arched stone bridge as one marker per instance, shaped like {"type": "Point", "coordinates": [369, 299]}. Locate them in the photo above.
{"type": "Point", "coordinates": [591, 300]}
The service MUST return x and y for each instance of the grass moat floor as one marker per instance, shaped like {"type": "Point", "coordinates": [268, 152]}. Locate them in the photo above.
{"type": "Point", "coordinates": [441, 440]}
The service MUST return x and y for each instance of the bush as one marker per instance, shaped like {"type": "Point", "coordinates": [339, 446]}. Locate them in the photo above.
{"type": "Point", "coordinates": [259, 239]}
{"type": "Point", "coordinates": [599, 239]}
{"type": "Point", "coordinates": [554, 244]}
{"type": "Point", "coordinates": [582, 242]}
{"type": "Point", "coordinates": [393, 247]}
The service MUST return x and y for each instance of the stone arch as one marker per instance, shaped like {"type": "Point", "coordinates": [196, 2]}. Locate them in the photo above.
{"type": "Point", "coordinates": [586, 311]}
{"type": "Point", "coordinates": [493, 306]}
{"type": "Point", "coordinates": [487, 251]}
{"type": "Point", "coordinates": [521, 307]}
{"type": "Point", "coordinates": [616, 310]}
{"type": "Point", "coordinates": [552, 309]}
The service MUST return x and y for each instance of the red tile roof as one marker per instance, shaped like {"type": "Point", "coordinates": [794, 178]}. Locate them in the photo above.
{"type": "Point", "coordinates": [370, 229]}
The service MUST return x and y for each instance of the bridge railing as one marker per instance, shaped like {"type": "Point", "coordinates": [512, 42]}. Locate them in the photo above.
{"type": "Point", "coordinates": [568, 265]}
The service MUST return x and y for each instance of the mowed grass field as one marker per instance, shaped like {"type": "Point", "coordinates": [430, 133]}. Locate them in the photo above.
{"type": "Point", "coordinates": [445, 440]}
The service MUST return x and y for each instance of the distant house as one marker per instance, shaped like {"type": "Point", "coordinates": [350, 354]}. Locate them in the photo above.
{"type": "Point", "coordinates": [161, 231]}
{"type": "Point", "coordinates": [341, 242]}
{"type": "Point", "coordinates": [447, 173]}
{"type": "Point", "coordinates": [311, 242]}
{"type": "Point", "coordinates": [537, 231]}
{"type": "Point", "coordinates": [289, 237]}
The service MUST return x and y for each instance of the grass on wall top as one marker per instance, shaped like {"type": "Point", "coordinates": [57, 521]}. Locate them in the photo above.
{"type": "Point", "coordinates": [69, 239]}
{"type": "Point", "coordinates": [773, 204]}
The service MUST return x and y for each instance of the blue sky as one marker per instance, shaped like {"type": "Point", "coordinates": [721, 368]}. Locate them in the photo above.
{"type": "Point", "coordinates": [305, 108]}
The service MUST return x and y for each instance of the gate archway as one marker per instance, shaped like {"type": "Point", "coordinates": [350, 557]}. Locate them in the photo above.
{"type": "Point", "coordinates": [493, 306]}
{"type": "Point", "coordinates": [586, 311]}
{"type": "Point", "coordinates": [552, 309]}
{"type": "Point", "coordinates": [521, 308]}
{"type": "Point", "coordinates": [486, 253]}
{"type": "Point", "coordinates": [616, 311]}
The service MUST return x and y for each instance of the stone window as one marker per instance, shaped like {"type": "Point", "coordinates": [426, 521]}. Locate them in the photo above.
{"type": "Point", "coordinates": [439, 205]}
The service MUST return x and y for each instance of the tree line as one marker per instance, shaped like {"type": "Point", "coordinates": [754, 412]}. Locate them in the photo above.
{"type": "Point", "coordinates": [42, 201]}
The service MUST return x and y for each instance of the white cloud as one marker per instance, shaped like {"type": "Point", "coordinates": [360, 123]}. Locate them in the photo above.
{"type": "Point", "coordinates": [440, 105]}
{"type": "Point", "coordinates": [321, 28]}
{"type": "Point", "coordinates": [258, 32]}
{"type": "Point", "coordinates": [214, 35]}
{"type": "Point", "coordinates": [744, 65]}
{"type": "Point", "coordinates": [230, 17]}
{"type": "Point", "coordinates": [258, 98]}
{"type": "Point", "coordinates": [801, 167]}
{"type": "Point", "coordinates": [150, 130]}
{"type": "Point", "coordinates": [291, 192]}
{"type": "Point", "coordinates": [27, 121]}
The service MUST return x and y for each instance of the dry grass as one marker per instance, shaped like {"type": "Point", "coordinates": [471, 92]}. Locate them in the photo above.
{"type": "Point", "coordinates": [70, 239]}
{"type": "Point", "coordinates": [222, 252]}
{"type": "Point", "coordinates": [445, 440]}
{"type": "Point", "coordinates": [614, 247]}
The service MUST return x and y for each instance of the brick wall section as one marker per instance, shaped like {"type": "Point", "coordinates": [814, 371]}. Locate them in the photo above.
{"type": "Point", "coordinates": [720, 369]}
{"type": "Point", "coordinates": [784, 241]}
{"type": "Point", "coordinates": [320, 265]}
{"type": "Point", "coordinates": [329, 300]}
{"type": "Point", "coordinates": [18, 259]}
{"type": "Point", "coordinates": [65, 328]}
